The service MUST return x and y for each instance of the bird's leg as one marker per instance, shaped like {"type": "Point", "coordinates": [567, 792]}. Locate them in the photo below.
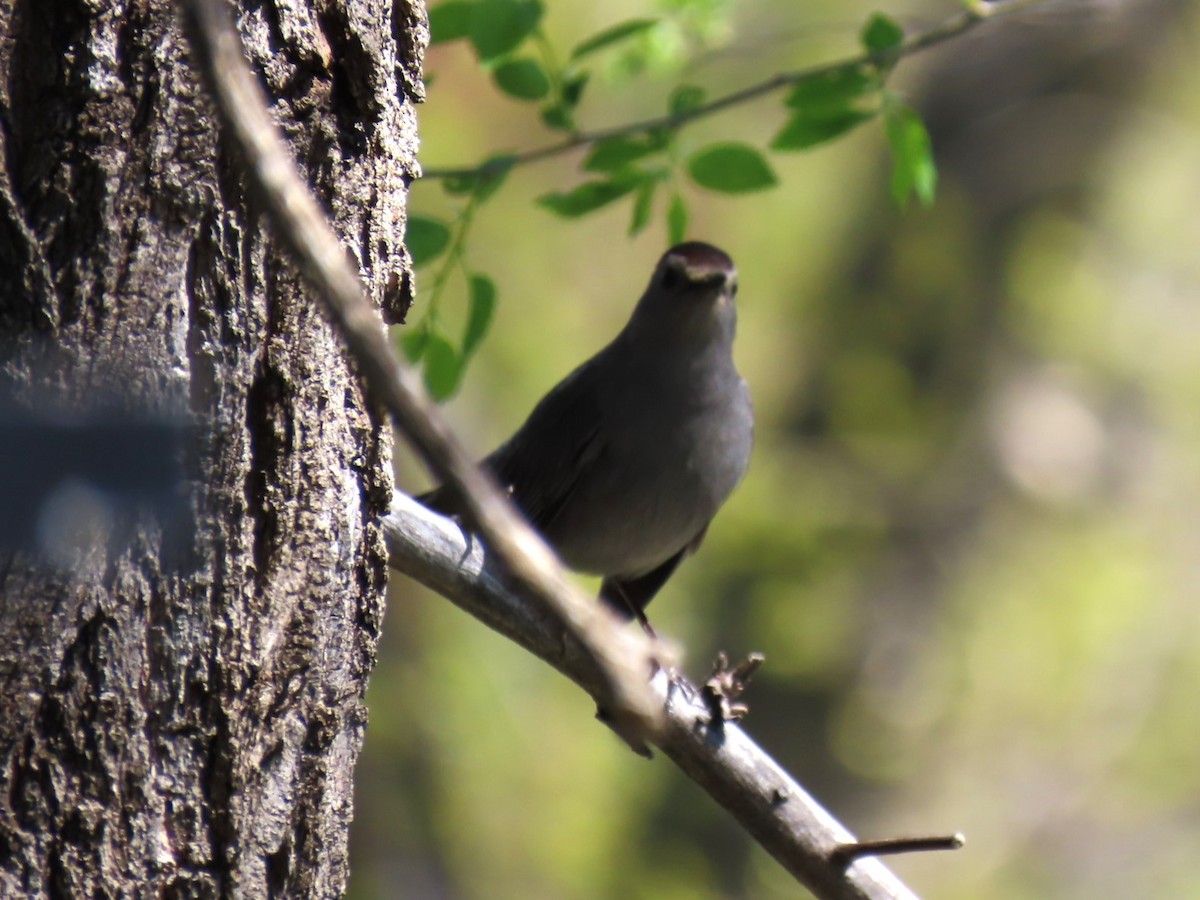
{"type": "Point", "coordinates": [640, 615]}
{"type": "Point", "coordinates": [635, 611]}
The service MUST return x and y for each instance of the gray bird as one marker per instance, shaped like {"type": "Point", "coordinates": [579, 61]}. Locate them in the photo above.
{"type": "Point", "coordinates": [624, 463]}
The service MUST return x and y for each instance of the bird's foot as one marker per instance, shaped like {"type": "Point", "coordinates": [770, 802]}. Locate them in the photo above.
{"type": "Point", "coordinates": [726, 684]}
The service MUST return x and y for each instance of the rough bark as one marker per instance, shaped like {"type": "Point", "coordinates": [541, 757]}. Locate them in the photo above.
{"type": "Point", "coordinates": [181, 709]}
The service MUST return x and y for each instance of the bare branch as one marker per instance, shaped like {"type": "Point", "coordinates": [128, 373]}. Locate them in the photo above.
{"type": "Point", "coordinates": [847, 853]}
{"type": "Point", "coordinates": [977, 13]}
{"type": "Point", "coordinates": [620, 659]}
{"type": "Point", "coordinates": [717, 755]}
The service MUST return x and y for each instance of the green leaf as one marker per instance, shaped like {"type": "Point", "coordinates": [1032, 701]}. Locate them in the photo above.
{"type": "Point", "coordinates": [587, 197]}
{"type": "Point", "coordinates": [685, 98]}
{"type": "Point", "coordinates": [557, 116]}
{"type": "Point", "coordinates": [677, 220]}
{"type": "Point", "coordinates": [455, 185]}
{"type": "Point", "coordinates": [481, 305]}
{"type": "Point", "coordinates": [612, 36]}
{"type": "Point", "coordinates": [832, 91]}
{"type": "Point", "coordinates": [443, 367]}
{"type": "Point", "coordinates": [522, 78]}
{"type": "Point", "coordinates": [913, 169]}
{"type": "Point", "coordinates": [426, 239]}
{"type": "Point", "coordinates": [413, 340]}
{"type": "Point", "coordinates": [803, 130]}
{"type": "Point", "coordinates": [483, 181]}
{"type": "Point", "coordinates": [449, 21]}
{"type": "Point", "coordinates": [499, 26]}
{"type": "Point", "coordinates": [572, 88]}
{"type": "Point", "coordinates": [731, 168]}
{"type": "Point", "coordinates": [643, 206]}
{"type": "Point", "coordinates": [881, 34]}
{"type": "Point", "coordinates": [615, 153]}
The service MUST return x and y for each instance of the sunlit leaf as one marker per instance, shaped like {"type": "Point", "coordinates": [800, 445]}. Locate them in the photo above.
{"type": "Point", "coordinates": [913, 168]}
{"type": "Point", "coordinates": [499, 26]}
{"type": "Point", "coordinates": [426, 238]}
{"type": "Point", "coordinates": [832, 91]}
{"type": "Point", "coordinates": [481, 305]}
{"type": "Point", "coordinates": [492, 176]}
{"type": "Point", "coordinates": [449, 21]}
{"type": "Point", "coordinates": [685, 98]}
{"type": "Point", "coordinates": [443, 367]}
{"type": "Point", "coordinates": [615, 153]}
{"type": "Point", "coordinates": [643, 206]}
{"type": "Point", "coordinates": [803, 130]}
{"type": "Point", "coordinates": [523, 78]}
{"type": "Point", "coordinates": [677, 220]}
{"type": "Point", "coordinates": [572, 87]}
{"type": "Point", "coordinates": [587, 197]}
{"type": "Point", "coordinates": [731, 168]}
{"type": "Point", "coordinates": [413, 340]}
{"type": "Point", "coordinates": [460, 184]}
{"type": "Point", "coordinates": [612, 36]}
{"type": "Point", "coordinates": [558, 117]}
{"type": "Point", "coordinates": [881, 34]}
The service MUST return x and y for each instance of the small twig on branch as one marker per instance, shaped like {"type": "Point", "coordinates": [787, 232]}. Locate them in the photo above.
{"type": "Point", "coordinates": [724, 685]}
{"type": "Point", "coordinates": [622, 659]}
{"type": "Point", "coordinates": [848, 853]}
{"type": "Point", "coordinates": [718, 755]}
{"type": "Point", "coordinates": [978, 13]}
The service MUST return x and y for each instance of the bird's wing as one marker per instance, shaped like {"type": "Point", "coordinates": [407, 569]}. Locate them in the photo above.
{"type": "Point", "coordinates": [543, 464]}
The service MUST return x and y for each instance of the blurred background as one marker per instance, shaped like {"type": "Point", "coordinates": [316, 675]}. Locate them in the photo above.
{"type": "Point", "coordinates": [968, 542]}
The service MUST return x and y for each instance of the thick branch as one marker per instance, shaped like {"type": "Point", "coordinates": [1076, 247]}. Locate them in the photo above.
{"type": "Point", "coordinates": [620, 658]}
{"type": "Point", "coordinates": [960, 24]}
{"type": "Point", "coordinates": [721, 758]}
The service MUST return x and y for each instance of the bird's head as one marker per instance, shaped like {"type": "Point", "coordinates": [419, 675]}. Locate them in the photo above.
{"type": "Point", "coordinates": [691, 292]}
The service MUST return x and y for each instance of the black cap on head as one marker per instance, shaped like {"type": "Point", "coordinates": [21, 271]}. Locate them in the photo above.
{"type": "Point", "coordinates": [699, 260]}
{"type": "Point", "coordinates": [690, 278]}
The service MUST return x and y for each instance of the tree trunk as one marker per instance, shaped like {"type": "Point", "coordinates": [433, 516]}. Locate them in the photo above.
{"type": "Point", "coordinates": [181, 705]}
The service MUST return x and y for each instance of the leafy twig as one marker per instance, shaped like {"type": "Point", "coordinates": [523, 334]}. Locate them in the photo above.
{"type": "Point", "coordinates": [977, 13]}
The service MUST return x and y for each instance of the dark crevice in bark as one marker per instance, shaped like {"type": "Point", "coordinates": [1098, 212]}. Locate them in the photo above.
{"type": "Point", "coordinates": [216, 785]}
{"type": "Point", "coordinates": [263, 423]}
{"type": "Point", "coordinates": [353, 71]}
{"type": "Point", "coordinates": [279, 871]}
{"type": "Point", "coordinates": [55, 173]}
{"type": "Point", "coordinates": [408, 23]}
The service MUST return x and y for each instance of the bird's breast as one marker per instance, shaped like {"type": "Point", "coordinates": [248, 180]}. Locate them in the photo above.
{"type": "Point", "coordinates": [672, 455]}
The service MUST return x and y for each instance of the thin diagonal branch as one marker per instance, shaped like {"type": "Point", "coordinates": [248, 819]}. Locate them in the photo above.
{"type": "Point", "coordinates": [620, 659]}
{"type": "Point", "coordinates": [978, 13]}
{"type": "Point", "coordinates": [720, 757]}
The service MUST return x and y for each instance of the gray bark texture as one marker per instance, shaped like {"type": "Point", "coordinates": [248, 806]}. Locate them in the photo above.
{"type": "Point", "coordinates": [181, 707]}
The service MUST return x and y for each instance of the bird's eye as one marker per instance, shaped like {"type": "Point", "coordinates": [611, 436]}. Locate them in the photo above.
{"type": "Point", "coordinates": [733, 289]}
{"type": "Point", "coordinates": [672, 277]}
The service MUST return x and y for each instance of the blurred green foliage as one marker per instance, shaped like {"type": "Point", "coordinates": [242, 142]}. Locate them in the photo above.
{"type": "Point", "coordinates": [967, 543]}
{"type": "Point", "coordinates": [645, 158]}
